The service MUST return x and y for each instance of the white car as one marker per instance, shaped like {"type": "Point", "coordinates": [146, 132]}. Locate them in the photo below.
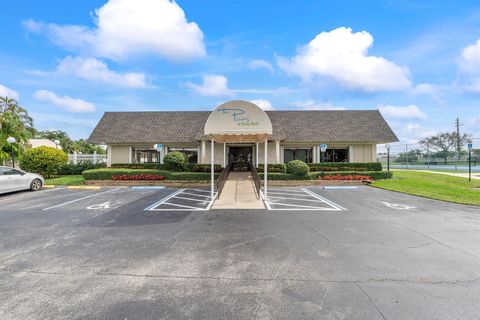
{"type": "Point", "coordinates": [14, 180]}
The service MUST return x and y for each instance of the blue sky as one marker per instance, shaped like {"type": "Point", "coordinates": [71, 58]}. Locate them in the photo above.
{"type": "Point", "coordinates": [69, 61]}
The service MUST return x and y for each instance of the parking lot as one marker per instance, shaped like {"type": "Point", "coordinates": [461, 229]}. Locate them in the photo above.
{"type": "Point", "coordinates": [161, 253]}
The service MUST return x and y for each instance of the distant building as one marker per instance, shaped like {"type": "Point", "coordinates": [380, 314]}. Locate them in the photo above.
{"type": "Point", "coordinates": [35, 143]}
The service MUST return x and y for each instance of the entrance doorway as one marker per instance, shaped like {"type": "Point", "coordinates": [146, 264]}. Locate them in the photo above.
{"type": "Point", "coordinates": [240, 157]}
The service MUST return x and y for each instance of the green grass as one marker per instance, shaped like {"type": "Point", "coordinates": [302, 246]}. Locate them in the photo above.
{"type": "Point", "coordinates": [75, 180]}
{"type": "Point", "coordinates": [435, 186]}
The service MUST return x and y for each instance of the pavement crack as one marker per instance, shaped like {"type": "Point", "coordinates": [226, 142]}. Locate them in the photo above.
{"type": "Point", "coordinates": [371, 301]}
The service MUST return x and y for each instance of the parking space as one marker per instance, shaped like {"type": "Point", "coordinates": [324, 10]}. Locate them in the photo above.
{"type": "Point", "coordinates": [298, 199]}
{"type": "Point", "coordinates": [184, 200]}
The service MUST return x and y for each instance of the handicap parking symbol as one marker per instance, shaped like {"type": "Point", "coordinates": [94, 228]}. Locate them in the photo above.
{"type": "Point", "coordinates": [398, 206]}
{"type": "Point", "coordinates": [105, 205]}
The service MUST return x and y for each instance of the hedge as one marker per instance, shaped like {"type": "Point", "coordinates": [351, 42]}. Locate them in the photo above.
{"type": "Point", "coordinates": [157, 166]}
{"type": "Point", "coordinates": [376, 175]}
{"type": "Point", "coordinates": [195, 167]}
{"type": "Point", "coordinates": [106, 174]}
{"type": "Point", "coordinates": [280, 168]}
{"type": "Point", "coordinates": [298, 168]}
{"type": "Point", "coordinates": [345, 166]}
{"type": "Point", "coordinates": [75, 169]}
{"type": "Point", "coordinates": [45, 161]}
{"type": "Point", "coordinates": [284, 176]}
{"type": "Point", "coordinates": [194, 176]}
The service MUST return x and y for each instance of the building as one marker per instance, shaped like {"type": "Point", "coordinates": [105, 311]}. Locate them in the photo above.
{"type": "Point", "coordinates": [35, 143]}
{"type": "Point", "coordinates": [239, 129]}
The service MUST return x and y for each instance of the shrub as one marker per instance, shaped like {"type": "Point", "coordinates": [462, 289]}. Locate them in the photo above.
{"type": "Point", "coordinates": [298, 168]}
{"type": "Point", "coordinates": [138, 177]}
{"type": "Point", "coordinates": [45, 161]}
{"type": "Point", "coordinates": [278, 168]}
{"type": "Point", "coordinates": [343, 177]}
{"type": "Point", "coordinates": [346, 166]}
{"type": "Point", "coordinates": [284, 176]}
{"type": "Point", "coordinates": [107, 174]}
{"type": "Point", "coordinates": [158, 166]}
{"type": "Point", "coordinates": [375, 175]}
{"type": "Point", "coordinates": [194, 176]}
{"type": "Point", "coordinates": [175, 161]}
{"type": "Point", "coordinates": [195, 167]}
{"type": "Point", "coordinates": [75, 169]}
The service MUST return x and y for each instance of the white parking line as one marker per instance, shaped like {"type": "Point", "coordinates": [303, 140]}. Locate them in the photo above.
{"type": "Point", "coordinates": [196, 195]}
{"type": "Point", "coordinates": [333, 204]}
{"type": "Point", "coordinates": [80, 199]}
{"type": "Point", "coordinates": [204, 202]}
{"type": "Point", "coordinates": [156, 204]}
{"type": "Point", "coordinates": [298, 199]}
{"type": "Point", "coordinates": [191, 199]}
{"type": "Point", "coordinates": [281, 198]}
{"type": "Point", "coordinates": [300, 206]}
{"type": "Point", "coordinates": [23, 195]}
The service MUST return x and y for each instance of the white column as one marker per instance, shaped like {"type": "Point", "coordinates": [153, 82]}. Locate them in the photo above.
{"type": "Point", "coordinates": [319, 154]}
{"type": "Point", "coordinates": [95, 157]}
{"type": "Point", "coordinates": [204, 151]}
{"type": "Point", "coordinates": [256, 159]}
{"type": "Point", "coordinates": [314, 150]}
{"type": "Point", "coordinates": [277, 151]}
{"type": "Point", "coordinates": [224, 154]}
{"type": "Point", "coordinates": [109, 156]}
{"type": "Point", "coordinates": [199, 155]}
{"type": "Point", "coordinates": [130, 154]}
{"type": "Point", "coordinates": [350, 154]}
{"type": "Point", "coordinates": [265, 169]}
{"type": "Point", "coordinates": [374, 152]}
{"type": "Point", "coordinates": [212, 165]}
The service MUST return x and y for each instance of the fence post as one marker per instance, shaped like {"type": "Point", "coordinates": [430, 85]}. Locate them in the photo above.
{"type": "Point", "coordinates": [95, 157]}
{"type": "Point", "coordinates": [406, 155]}
{"type": "Point", "coordinates": [75, 159]}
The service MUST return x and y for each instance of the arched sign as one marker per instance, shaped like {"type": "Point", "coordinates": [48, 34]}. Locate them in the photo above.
{"type": "Point", "coordinates": [238, 117]}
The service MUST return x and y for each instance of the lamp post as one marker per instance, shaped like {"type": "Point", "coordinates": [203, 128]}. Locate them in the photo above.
{"type": "Point", "coordinates": [57, 143]}
{"type": "Point", "coordinates": [387, 146]}
{"type": "Point", "coordinates": [12, 140]}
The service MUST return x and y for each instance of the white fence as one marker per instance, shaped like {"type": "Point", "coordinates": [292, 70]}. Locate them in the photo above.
{"type": "Point", "coordinates": [94, 158]}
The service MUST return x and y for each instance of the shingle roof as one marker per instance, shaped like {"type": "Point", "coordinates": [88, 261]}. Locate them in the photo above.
{"type": "Point", "coordinates": [289, 126]}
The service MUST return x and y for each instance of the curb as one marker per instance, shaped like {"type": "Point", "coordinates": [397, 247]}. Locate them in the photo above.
{"type": "Point", "coordinates": [49, 186]}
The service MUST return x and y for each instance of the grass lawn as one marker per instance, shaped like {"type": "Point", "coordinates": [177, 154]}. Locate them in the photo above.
{"type": "Point", "coordinates": [435, 186]}
{"type": "Point", "coordinates": [75, 180]}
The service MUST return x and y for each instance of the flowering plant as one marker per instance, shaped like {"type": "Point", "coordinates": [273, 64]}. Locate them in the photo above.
{"type": "Point", "coordinates": [346, 177]}
{"type": "Point", "coordinates": [136, 177]}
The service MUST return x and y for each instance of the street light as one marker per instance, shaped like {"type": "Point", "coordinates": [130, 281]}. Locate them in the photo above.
{"type": "Point", "coordinates": [387, 146]}
{"type": "Point", "coordinates": [56, 143]}
{"type": "Point", "coordinates": [12, 140]}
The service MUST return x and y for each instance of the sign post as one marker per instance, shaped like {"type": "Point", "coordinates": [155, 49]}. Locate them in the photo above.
{"type": "Point", "coordinates": [323, 148]}
{"type": "Point", "coordinates": [470, 147]}
{"type": "Point", "coordinates": [387, 146]}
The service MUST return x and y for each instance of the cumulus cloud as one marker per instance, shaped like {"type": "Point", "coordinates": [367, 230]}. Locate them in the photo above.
{"type": "Point", "coordinates": [212, 85]}
{"type": "Point", "coordinates": [7, 92]}
{"type": "Point", "coordinates": [402, 112]}
{"type": "Point", "coordinates": [342, 56]}
{"type": "Point", "coordinates": [65, 102]}
{"type": "Point", "coordinates": [263, 104]}
{"type": "Point", "coordinates": [428, 90]}
{"type": "Point", "coordinates": [469, 63]}
{"type": "Point", "coordinates": [261, 64]}
{"type": "Point", "coordinates": [312, 105]}
{"type": "Point", "coordinates": [96, 70]}
{"type": "Point", "coordinates": [125, 28]}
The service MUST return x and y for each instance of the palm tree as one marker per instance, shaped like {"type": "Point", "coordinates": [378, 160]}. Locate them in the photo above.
{"type": "Point", "coordinates": [14, 122]}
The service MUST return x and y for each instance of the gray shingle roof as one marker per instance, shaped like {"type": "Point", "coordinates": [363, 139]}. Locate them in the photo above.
{"type": "Point", "coordinates": [288, 126]}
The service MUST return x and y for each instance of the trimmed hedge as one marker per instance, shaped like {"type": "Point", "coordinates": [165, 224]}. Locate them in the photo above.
{"type": "Point", "coordinates": [157, 166]}
{"type": "Point", "coordinates": [298, 168]}
{"type": "Point", "coordinates": [279, 168]}
{"type": "Point", "coordinates": [106, 174]}
{"type": "Point", "coordinates": [45, 161]}
{"type": "Point", "coordinates": [76, 169]}
{"type": "Point", "coordinates": [376, 175]}
{"type": "Point", "coordinates": [195, 167]}
{"type": "Point", "coordinates": [175, 161]}
{"type": "Point", "coordinates": [192, 176]}
{"type": "Point", "coordinates": [284, 176]}
{"type": "Point", "coordinates": [345, 166]}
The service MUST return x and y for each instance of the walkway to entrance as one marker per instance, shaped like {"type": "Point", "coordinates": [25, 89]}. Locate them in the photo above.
{"type": "Point", "coordinates": [239, 193]}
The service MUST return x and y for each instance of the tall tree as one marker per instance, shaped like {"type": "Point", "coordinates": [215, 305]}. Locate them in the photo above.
{"type": "Point", "coordinates": [14, 122]}
{"type": "Point", "coordinates": [445, 142]}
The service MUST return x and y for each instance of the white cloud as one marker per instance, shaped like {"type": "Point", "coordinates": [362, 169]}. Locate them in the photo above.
{"type": "Point", "coordinates": [212, 85]}
{"type": "Point", "coordinates": [429, 90]}
{"type": "Point", "coordinates": [342, 56]}
{"type": "Point", "coordinates": [402, 112]}
{"type": "Point", "coordinates": [65, 102]}
{"type": "Point", "coordinates": [263, 104]}
{"type": "Point", "coordinates": [7, 92]}
{"type": "Point", "coordinates": [470, 58]}
{"type": "Point", "coordinates": [261, 64]}
{"type": "Point", "coordinates": [312, 105]}
{"type": "Point", "coordinates": [126, 28]}
{"type": "Point", "coordinates": [96, 70]}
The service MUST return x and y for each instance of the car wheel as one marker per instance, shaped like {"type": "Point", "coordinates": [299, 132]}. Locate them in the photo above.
{"type": "Point", "coordinates": [36, 185]}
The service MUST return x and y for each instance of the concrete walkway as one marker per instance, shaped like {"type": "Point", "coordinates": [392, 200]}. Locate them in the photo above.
{"type": "Point", "coordinates": [239, 193]}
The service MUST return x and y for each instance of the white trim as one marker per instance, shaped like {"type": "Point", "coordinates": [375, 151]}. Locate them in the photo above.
{"type": "Point", "coordinates": [130, 154]}
{"type": "Point", "coordinates": [224, 154]}
{"type": "Point", "coordinates": [277, 151]}
{"type": "Point", "coordinates": [212, 168]}
{"type": "Point", "coordinates": [256, 149]}
{"type": "Point", "coordinates": [350, 153]}
{"type": "Point", "coordinates": [265, 170]}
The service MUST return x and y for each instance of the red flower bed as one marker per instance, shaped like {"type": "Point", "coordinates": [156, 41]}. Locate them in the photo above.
{"type": "Point", "coordinates": [349, 177]}
{"type": "Point", "coordinates": [136, 177]}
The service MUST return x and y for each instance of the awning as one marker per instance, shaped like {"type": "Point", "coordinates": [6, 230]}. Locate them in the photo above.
{"type": "Point", "coordinates": [238, 121]}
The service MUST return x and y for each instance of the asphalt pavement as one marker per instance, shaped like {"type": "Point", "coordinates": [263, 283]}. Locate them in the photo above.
{"type": "Point", "coordinates": [114, 253]}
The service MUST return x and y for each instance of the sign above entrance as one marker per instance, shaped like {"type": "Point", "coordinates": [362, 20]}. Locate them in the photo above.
{"type": "Point", "coordinates": [323, 147]}
{"type": "Point", "coordinates": [238, 117]}
{"type": "Point", "coordinates": [159, 147]}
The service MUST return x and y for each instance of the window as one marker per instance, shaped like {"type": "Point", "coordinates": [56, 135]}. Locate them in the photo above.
{"type": "Point", "coordinates": [304, 154]}
{"type": "Point", "coordinates": [336, 155]}
{"type": "Point", "coordinates": [10, 172]}
{"type": "Point", "coordinates": [146, 156]}
{"type": "Point", "coordinates": [192, 153]}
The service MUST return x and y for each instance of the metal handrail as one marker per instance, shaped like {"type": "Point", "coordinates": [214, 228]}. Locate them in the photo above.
{"type": "Point", "coordinates": [256, 179]}
{"type": "Point", "coordinates": [222, 179]}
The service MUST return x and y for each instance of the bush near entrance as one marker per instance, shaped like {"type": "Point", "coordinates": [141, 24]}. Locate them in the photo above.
{"type": "Point", "coordinates": [45, 161]}
{"type": "Point", "coordinates": [279, 168]}
{"type": "Point", "coordinates": [108, 174]}
{"type": "Point", "coordinates": [175, 161]}
{"type": "Point", "coordinates": [345, 166]}
{"type": "Point", "coordinates": [298, 168]}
